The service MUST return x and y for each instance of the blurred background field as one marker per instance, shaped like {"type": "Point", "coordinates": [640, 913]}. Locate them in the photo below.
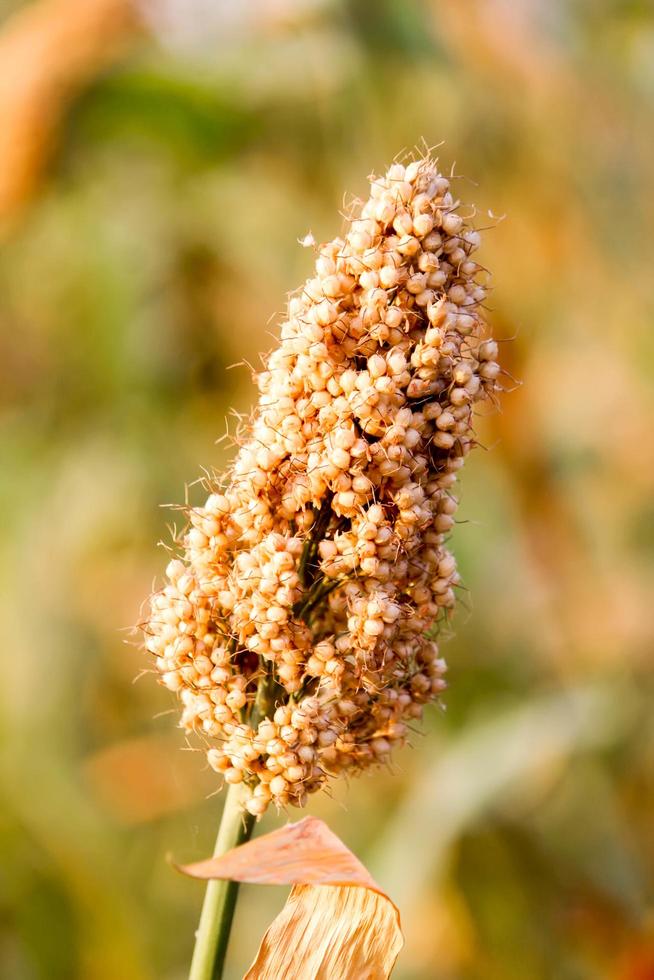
{"type": "Point", "coordinates": [158, 167]}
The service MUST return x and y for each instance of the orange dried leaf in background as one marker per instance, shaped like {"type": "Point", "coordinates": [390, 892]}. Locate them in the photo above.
{"type": "Point", "coordinates": [48, 51]}
{"type": "Point", "coordinates": [337, 923]}
{"type": "Point", "coordinates": [142, 779]}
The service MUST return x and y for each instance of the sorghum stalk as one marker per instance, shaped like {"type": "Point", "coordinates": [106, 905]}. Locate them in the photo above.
{"type": "Point", "coordinates": [215, 925]}
{"type": "Point", "coordinates": [235, 828]}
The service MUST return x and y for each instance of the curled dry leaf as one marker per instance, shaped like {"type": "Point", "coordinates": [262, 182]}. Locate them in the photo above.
{"type": "Point", "coordinates": [337, 923]}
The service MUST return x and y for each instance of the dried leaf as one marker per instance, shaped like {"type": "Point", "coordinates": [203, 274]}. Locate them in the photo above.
{"type": "Point", "coordinates": [337, 923]}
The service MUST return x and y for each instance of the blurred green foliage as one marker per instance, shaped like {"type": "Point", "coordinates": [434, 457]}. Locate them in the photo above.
{"type": "Point", "coordinates": [516, 833]}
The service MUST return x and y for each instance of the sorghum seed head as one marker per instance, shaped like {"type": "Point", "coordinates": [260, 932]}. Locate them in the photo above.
{"type": "Point", "coordinates": [322, 557]}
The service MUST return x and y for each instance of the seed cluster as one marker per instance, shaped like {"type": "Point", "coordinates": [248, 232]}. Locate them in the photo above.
{"type": "Point", "coordinates": [319, 568]}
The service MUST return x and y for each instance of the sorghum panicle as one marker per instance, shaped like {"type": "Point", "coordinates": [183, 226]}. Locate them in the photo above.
{"type": "Point", "coordinates": [321, 560]}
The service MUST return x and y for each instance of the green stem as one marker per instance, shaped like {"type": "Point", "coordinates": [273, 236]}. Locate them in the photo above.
{"type": "Point", "coordinates": [212, 937]}
{"type": "Point", "coordinates": [236, 826]}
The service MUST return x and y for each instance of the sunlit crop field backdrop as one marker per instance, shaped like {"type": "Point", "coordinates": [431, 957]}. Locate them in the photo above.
{"type": "Point", "coordinates": [151, 206]}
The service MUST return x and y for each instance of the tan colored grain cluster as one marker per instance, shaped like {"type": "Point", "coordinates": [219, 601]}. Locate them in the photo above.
{"type": "Point", "coordinates": [320, 564]}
